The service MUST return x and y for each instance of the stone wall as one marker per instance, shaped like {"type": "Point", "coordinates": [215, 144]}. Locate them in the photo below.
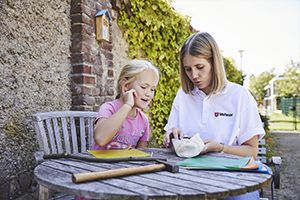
{"type": "Point", "coordinates": [37, 66]}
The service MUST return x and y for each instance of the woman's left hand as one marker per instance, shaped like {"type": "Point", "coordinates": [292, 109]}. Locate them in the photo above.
{"type": "Point", "coordinates": [211, 146]}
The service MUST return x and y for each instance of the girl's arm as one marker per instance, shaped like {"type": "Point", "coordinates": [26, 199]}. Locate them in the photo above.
{"type": "Point", "coordinates": [142, 144]}
{"type": "Point", "coordinates": [105, 129]}
{"type": "Point", "coordinates": [248, 148]}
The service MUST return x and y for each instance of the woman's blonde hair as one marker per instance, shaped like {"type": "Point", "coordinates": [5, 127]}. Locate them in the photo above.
{"type": "Point", "coordinates": [132, 69]}
{"type": "Point", "coordinates": [203, 45]}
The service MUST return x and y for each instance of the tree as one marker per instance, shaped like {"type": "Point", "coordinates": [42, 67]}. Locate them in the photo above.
{"type": "Point", "coordinates": [289, 86]}
{"type": "Point", "coordinates": [233, 74]}
{"type": "Point", "coordinates": [257, 84]}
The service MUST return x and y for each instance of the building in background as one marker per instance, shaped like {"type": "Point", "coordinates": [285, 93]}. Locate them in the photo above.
{"type": "Point", "coordinates": [271, 102]}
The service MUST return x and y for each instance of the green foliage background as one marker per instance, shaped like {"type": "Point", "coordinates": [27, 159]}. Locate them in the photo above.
{"type": "Point", "coordinates": [290, 85]}
{"type": "Point", "coordinates": [233, 74]}
{"type": "Point", "coordinates": [257, 84]}
{"type": "Point", "coordinates": [156, 32]}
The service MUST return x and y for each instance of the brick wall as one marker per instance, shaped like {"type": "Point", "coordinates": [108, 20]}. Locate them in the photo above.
{"type": "Point", "coordinates": [93, 74]}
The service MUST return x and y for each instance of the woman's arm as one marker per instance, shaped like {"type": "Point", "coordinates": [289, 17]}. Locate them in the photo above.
{"type": "Point", "coordinates": [248, 148]}
{"type": "Point", "coordinates": [105, 129]}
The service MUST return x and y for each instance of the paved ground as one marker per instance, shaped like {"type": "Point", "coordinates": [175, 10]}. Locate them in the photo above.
{"type": "Point", "coordinates": [287, 145]}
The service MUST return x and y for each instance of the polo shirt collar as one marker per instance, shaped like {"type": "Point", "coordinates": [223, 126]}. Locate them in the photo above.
{"type": "Point", "coordinates": [197, 91]}
{"type": "Point", "coordinates": [225, 89]}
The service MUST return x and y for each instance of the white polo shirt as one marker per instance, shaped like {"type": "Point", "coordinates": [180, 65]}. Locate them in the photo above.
{"type": "Point", "coordinates": [230, 117]}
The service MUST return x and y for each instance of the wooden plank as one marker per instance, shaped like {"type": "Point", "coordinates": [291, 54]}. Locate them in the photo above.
{"type": "Point", "coordinates": [43, 136]}
{"type": "Point", "coordinates": [262, 150]}
{"type": "Point", "coordinates": [57, 114]}
{"type": "Point", "coordinates": [259, 178]}
{"type": "Point", "coordinates": [62, 182]}
{"type": "Point", "coordinates": [61, 196]}
{"type": "Point", "coordinates": [118, 183]}
{"type": "Point", "coordinates": [262, 142]}
{"type": "Point", "coordinates": [83, 137]}
{"type": "Point", "coordinates": [262, 159]}
{"type": "Point", "coordinates": [90, 132]}
{"type": "Point", "coordinates": [51, 136]}
{"type": "Point", "coordinates": [160, 185]}
{"type": "Point", "coordinates": [43, 193]}
{"type": "Point", "coordinates": [198, 187]}
{"type": "Point", "coordinates": [38, 135]}
{"type": "Point", "coordinates": [73, 135]}
{"type": "Point", "coordinates": [141, 183]}
{"type": "Point", "coordinates": [250, 185]}
{"type": "Point", "coordinates": [214, 186]}
{"type": "Point", "coordinates": [66, 134]}
{"type": "Point", "coordinates": [57, 135]}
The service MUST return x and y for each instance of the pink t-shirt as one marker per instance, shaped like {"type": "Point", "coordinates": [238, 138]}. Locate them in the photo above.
{"type": "Point", "coordinates": [132, 130]}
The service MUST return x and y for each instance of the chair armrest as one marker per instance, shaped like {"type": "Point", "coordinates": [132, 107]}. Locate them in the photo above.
{"type": "Point", "coordinates": [276, 160]}
{"type": "Point", "coordinates": [39, 157]}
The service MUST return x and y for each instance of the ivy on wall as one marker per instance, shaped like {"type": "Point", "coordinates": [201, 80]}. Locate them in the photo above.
{"type": "Point", "coordinates": [156, 32]}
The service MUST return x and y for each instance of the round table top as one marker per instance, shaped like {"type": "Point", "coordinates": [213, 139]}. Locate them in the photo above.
{"type": "Point", "coordinates": [56, 174]}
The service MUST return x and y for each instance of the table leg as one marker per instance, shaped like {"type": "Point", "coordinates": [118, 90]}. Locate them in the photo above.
{"type": "Point", "coordinates": [43, 193]}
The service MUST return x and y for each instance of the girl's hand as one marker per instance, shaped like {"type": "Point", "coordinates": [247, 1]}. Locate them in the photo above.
{"type": "Point", "coordinates": [128, 97]}
{"type": "Point", "coordinates": [175, 133]}
{"type": "Point", "coordinates": [211, 146]}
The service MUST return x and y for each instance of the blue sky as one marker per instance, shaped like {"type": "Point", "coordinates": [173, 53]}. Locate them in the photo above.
{"type": "Point", "coordinates": [267, 30]}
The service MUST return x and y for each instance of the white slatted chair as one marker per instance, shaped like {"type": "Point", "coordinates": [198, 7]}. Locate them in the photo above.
{"type": "Point", "coordinates": [62, 132]}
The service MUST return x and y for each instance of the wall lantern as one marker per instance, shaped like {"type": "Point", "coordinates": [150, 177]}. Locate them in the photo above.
{"type": "Point", "coordinates": [103, 19]}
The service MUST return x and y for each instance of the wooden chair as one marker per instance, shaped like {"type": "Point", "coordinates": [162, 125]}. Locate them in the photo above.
{"type": "Point", "coordinates": [274, 161]}
{"type": "Point", "coordinates": [62, 132]}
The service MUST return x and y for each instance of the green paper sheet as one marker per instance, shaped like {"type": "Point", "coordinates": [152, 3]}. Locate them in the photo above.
{"type": "Point", "coordinates": [213, 162]}
{"type": "Point", "coordinates": [118, 153]}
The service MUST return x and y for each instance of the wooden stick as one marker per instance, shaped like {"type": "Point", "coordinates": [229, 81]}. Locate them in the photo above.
{"type": "Point", "coordinates": [91, 176]}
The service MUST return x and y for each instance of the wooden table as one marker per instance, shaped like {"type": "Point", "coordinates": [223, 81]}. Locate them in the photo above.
{"type": "Point", "coordinates": [187, 184]}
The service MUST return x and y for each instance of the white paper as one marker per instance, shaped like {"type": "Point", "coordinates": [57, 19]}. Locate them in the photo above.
{"type": "Point", "coordinates": [188, 148]}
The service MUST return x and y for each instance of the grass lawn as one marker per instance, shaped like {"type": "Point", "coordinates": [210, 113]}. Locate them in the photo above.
{"type": "Point", "coordinates": [280, 121]}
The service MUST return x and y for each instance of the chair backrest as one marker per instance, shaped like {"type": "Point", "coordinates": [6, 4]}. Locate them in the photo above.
{"type": "Point", "coordinates": [64, 131]}
{"type": "Point", "coordinates": [262, 151]}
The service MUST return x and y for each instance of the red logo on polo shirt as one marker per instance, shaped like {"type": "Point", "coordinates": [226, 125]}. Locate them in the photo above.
{"type": "Point", "coordinates": [217, 114]}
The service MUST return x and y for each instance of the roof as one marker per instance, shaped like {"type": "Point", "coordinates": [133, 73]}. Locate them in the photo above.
{"type": "Point", "coordinates": [104, 12]}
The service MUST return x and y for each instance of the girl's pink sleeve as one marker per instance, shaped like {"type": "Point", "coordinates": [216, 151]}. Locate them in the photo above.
{"type": "Point", "coordinates": [105, 111]}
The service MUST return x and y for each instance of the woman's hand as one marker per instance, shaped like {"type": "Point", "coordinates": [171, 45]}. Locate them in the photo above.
{"type": "Point", "coordinates": [212, 146]}
{"type": "Point", "coordinates": [175, 133]}
{"type": "Point", "coordinates": [248, 148]}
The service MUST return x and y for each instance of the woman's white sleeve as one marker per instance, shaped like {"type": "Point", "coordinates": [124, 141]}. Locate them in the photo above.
{"type": "Point", "coordinates": [250, 121]}
{"type": "Point", "coordinates": [173, 120]}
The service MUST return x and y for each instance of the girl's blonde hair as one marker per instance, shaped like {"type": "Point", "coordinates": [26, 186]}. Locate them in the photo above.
{"type": "Point", "coordinates": [132, 69]}
{"type": "Point", "coordinates": [203, 45]}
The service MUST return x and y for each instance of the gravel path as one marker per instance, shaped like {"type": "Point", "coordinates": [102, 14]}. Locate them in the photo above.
{"type": "Point", "coordinates": [287, 145]}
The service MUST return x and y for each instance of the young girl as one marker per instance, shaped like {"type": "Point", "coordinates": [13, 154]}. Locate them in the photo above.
{"type": "Point", "coordinates": [121, 123]}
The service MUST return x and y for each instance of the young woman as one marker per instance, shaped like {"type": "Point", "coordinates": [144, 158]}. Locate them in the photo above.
{"type": "Point", "coordinates": [223, 113]}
